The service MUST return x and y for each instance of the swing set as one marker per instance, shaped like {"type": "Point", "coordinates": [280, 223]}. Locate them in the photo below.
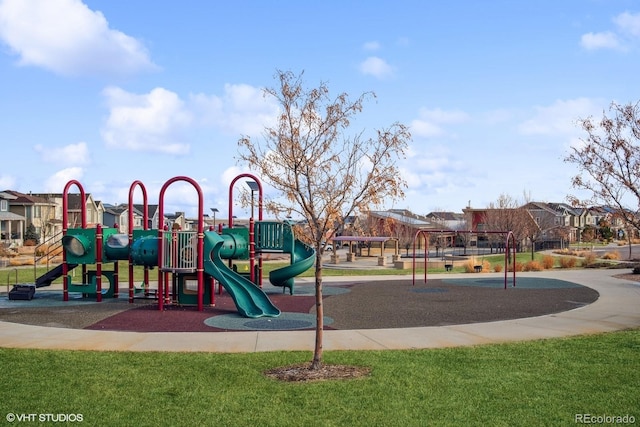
{"type": "Point", "coordinates": [510, 245]}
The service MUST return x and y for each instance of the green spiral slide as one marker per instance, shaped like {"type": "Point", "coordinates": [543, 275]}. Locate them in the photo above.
{"type": "Point", "coordinates": [302, 258]}
{"type": "Point", "coordinates": [250, 300]}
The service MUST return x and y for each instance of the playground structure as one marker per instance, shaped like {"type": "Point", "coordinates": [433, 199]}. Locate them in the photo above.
{"type": "Point", "coordinates": [510, 244]}
{"type": "Point", "coordinates": [189, 263]}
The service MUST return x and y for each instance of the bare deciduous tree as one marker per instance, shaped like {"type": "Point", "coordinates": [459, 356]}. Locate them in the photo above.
{"type": "Point", "coordinates": [506, 214]}
{"type": "Point", "coordinates": [608, 162]}
{"type": "Point", "coordinates": [323, 174]}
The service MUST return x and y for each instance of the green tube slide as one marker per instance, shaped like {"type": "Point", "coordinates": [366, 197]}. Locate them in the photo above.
{"type": "Point", "coordinates": [249, 299]}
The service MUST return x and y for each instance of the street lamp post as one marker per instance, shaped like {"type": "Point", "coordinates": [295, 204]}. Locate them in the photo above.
{"type": "Point", "coordinates": [254, 187]}
{"type": "Point", "coordinates": [214, 210]}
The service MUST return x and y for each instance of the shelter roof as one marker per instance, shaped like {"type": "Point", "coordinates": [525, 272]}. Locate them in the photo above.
{"type": "Point", "coordinates": [362, 238]}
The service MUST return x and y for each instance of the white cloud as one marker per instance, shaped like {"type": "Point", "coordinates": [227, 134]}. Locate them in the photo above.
{"type": "Point", "coordinates": [371, 46]}
{"type": "Point", "coordinates": [496, 116]}
{"type": "Point", "coordinates": [628, 23]}
{"type": "Point", "coordinates": [72, 154]}
{"type": "Point", "coordinates": [242, 109]}
{"type": "Point", "coordinates": [7, 182]}
{"type": "Point", "coordinates": [428, 124]}
{"type": "Point", "coordinates": [626, 33]}
{"type": "Point", "coordinates": [605, 40]}
{"type": "Point", "coordinates": [150, 122]}
{"type": "Point", "coordinates": [433, 171]}
{"type": "Point", "coordinates": [60, 179]}
{"type": "Point", "coordinates": [445, 117]}
{"type": "Point", "coordinates": [376, 67]}
{"type": "Point", "coordinates": [425, 129]}
{"type": "Point", "coordinates": [68, 38]}
{"type": "Point", "coordinates": [560, 117]}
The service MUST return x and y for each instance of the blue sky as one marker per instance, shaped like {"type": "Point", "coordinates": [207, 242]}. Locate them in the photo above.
{"type": "Point", "coordinates": [108, 92]}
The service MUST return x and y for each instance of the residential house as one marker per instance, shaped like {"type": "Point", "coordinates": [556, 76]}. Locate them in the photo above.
{"type": "Point", "coordinates": [37, 211]}
{"type": "Point", "coordinates": [573, 220]}
{"type": "Point", "coordinates": [448, 220]}
{"type": "Point", "coordinates": [93, 211]}
{"type": "Point", "coordinates": [11, 224]}
{"type": "Point", "coordinates": [176, 221]}
{"type": "Point", "coordinates": [152, 215]}
{"type": "Point", "coordinates": [401, 224]}
{"type": "Point", "coordinates": [490, 225]}
{"type": "Point", "coordinates": [118, 217]}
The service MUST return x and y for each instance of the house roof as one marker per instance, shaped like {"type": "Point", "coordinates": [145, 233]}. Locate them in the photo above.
{"type": "Point", "coordinates": [543, 207]}
{"type": "Point", "coordinates": [10, 216]}
{"type": "Point", "coordinates": [151, 209]}
{"type": "Point", "coordinates": [7, 195]}
{"type": "Point", "coordinates": [27, 199]}
{"type": "Point", "coordinates": [446, 216]}
{"type": "Point", "coordinates": [362, 239]}
{"type": "Point", "coordinates": [403, 217]}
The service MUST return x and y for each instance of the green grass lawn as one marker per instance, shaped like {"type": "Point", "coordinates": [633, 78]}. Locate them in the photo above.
{"type": "Point", "coordinates": [536, 383]}
{"type": "Point", "coordinates": [546, 382]}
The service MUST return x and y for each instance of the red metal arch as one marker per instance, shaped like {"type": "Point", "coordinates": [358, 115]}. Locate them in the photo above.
{"type": "Point", "coordinates": [65, 222]}
{"type": "Point", "coordinates": [145, 220]}
{"type": "Point", "coordinates": [244, 175]}
{"type": "Point", "coordinates": [200, 241]}
{"type": "Point", "coordinates": [252, 242]}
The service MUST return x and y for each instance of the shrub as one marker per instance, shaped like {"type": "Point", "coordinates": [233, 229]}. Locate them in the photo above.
{"type": "Point", "coordinates": [567, 262]}
{"type": "Point", "coordinates": [548, 262]}
{"type": "Point", "coordinates": [589, 258]}
{"type": "Point", "coordinates": [26, 250]}
{"type": "Point", "coordinates": [20, 261]}
{"type": "Point", "coordinates": [533, 266]}
{"type": "Point", "coordinates": [42, 249]}
{"type": "Point", "coordinates": [519, 267]}
{"type": "Point", "coordinates": [497, 268]}
{"type": "Point", "coordinates": [470, 266]}
{"type": "Point", "coordinates": [611, 255]}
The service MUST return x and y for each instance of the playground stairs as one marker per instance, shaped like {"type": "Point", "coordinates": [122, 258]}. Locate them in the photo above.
{"type": "Point", "coordinates": [45, 253]}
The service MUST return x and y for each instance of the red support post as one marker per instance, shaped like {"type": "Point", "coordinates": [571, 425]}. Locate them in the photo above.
{"type": "Point", "coordinates": [116, 280]}
{"type": "Point", "coordinates": [252, 251]}
{"type": "Point", "coordinates": [98, 263]}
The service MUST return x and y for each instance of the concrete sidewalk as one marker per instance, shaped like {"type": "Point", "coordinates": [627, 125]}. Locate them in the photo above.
{"type": "Point", "coordinates": [617, 308]}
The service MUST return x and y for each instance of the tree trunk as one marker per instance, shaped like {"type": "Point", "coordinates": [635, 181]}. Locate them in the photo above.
{"type": "Point", "coordinates": [533, 251]}
{"type": "Point", "coordinates": [317, 351]}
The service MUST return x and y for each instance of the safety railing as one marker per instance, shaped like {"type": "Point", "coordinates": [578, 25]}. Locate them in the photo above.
{"type": "Point", "coordinates": [46, 252]}
{"type": "Point", "coordinates": [179, 251]}
{"type": "Point", "coordinates": [15, 271]}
